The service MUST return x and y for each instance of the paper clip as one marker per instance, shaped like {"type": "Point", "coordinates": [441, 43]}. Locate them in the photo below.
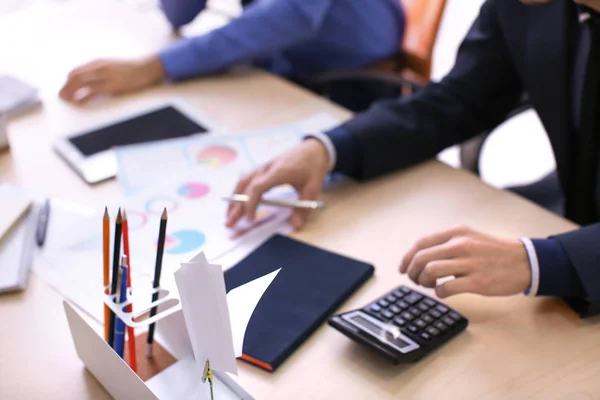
{"type": "Point", "coordinates": [208, 375]}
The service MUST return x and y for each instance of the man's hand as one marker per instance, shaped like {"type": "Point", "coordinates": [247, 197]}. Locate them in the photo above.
{"type": "Point", "coordinates": [480, 263]}
{"type": "Point", "coordinates": [111, 77]}
{"type": "Point", "coordinates": [303, 167]}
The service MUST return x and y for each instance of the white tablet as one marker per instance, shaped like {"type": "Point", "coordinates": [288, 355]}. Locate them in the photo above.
{"type": "Point", "coordinates": [90, 153]}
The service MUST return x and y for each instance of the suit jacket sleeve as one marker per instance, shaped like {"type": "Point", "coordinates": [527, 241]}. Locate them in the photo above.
{"type": "Point", "coordinates": [475, 96]}
{"type": "Point", "coordinates": [582, 248]}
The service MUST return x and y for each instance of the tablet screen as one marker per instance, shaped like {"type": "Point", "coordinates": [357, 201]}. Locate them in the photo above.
{"type": "Point", "coordinates": [165, 123]}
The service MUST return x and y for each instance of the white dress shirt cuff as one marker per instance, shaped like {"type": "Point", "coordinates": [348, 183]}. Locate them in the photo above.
{"type": "Point", "coordinates": [324, 139]}
{"type": "Point", "coordinates": [533, 265]}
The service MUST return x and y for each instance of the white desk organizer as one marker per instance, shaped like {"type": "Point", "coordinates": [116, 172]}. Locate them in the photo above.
{"type": "Point", "coordinates": [182, 380]}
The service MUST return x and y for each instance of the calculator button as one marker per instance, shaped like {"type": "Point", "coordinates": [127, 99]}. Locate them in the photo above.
{"type": "Point", "coordinates": [414, 311]}
{"type": "Point", "coordinates": [448, 321]}
{"type": "Point", "coordinates": [429, 302]}
{"type": "Point", "coordinates": [425, 335]}
{"type": "Point", "coordinates": [412, 328]}
{"type": "Point", "coordinates": [427, 318]}
{"type": "Point", "coordinates": [423, 307]}
{"type": "Point", "coordinates": [383, 303]}
{"type": "Point", "coordinates": [440, 325]}
{"type": "Point", "coordinates": [455, 316]}
{"type": "Point", "coordinates": [407, 316]}
{"type": "Point", "coordinates": [375, 308]}
{"type": "Point", "coordinates": [442, 309]}
{"type": "Point", "coordinates": [391, 298]}
{"type": "Point", "coordinates": [402, 304]}
{"type": "Point", "coordinates": [405, 289]}
{"type": "Point", "coordinates": [399, 321]}
{"type": "Point", "coordinates": [395, 309]}
{"type": "Point", "coordinates": [420, 323]}
{"type": "Point", "coordinates": [388, 314]}
{"type": "Point", "coordinates": [413, 298]}
{"type": "Point", "coordinates": [398, 293]}
{"type": "Point", "coordinates": [435, 314]}
{"type": "Point", "coordinates": [432, 331]}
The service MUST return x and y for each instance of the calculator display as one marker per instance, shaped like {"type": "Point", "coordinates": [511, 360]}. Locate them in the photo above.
{"type": "Point", "coordinates": [378, 332]}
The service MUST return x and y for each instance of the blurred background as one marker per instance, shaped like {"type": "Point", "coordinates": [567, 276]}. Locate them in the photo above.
{"type": "Point", "coordinates": [517, 152]}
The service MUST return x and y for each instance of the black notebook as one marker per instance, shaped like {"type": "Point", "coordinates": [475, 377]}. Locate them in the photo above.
{"type": "Point", "coordinates": [311, 285]}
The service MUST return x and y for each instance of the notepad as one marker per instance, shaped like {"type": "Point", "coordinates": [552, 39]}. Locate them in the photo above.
{"type": "Point", "coordinates": [17, 226]}
{"type": "Point", "coordinates": [13, 208]}
{"type": "Point", "coordinates": [311, 285]}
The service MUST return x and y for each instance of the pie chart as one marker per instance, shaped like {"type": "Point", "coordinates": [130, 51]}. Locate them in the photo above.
{"type": "Point", "coordinates": [217, 155]}
{"type": "Point", "coordinates": [184, 241]}
{"type": "Point", "coordinates": [193, 190]}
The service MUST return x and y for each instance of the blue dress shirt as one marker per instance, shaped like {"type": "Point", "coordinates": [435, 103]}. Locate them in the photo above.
{"type": "Point", "coordinates": [551, 267]}
{"type": "Point", "coordinates": [288, 37]}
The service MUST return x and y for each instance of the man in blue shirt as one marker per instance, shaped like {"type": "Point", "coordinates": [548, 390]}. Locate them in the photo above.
{"type": "Point", "coordinates": [292, 38]}
{"type": "Point", "coordinates": [551, 53]}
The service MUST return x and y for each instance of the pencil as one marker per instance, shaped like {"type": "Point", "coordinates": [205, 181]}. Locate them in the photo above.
{"type": "Point", "coordinates": [106, 246]}
{"type": "Point", "coordinates": [115, 275]}
{"type": "Point", "coordinates": [157, 270]}
{"type": "Point", "coordinates": [130, 330]}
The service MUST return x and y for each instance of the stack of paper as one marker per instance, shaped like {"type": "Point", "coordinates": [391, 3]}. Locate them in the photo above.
{"type": "Point", "coordinates": [16, 96]}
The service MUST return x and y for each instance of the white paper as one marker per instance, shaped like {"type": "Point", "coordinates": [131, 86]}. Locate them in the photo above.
{"type": "Point", "coordinates": [242, 302]}
{"type": "Point", "coordinates": [202, 292]}
{"type": "Point", "coordinates": [71, 259]}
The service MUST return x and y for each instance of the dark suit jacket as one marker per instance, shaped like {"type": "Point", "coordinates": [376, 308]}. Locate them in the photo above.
{"type": "Point", "coordinates": [511, 49]}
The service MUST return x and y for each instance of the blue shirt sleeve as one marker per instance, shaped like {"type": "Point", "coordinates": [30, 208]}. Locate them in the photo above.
{"type": "Point", "coordinates": [181, 12]}
{"type": "Point", "coordinates": [557, 275]}
{"type": "Point", "coordinates": [265, 27]}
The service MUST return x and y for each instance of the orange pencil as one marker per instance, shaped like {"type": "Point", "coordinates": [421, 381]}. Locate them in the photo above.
{"type": "Point", "coordinates": [130, 330]}
{"type": "Point", "coordinates": [106, 245]}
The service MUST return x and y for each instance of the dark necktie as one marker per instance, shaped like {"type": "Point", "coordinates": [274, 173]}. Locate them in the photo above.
{"type": "Point", "coordinates": [581, 206]}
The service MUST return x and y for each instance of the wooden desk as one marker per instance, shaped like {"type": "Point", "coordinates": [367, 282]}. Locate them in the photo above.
{"type": "Point", "coordinates": [515, 347]}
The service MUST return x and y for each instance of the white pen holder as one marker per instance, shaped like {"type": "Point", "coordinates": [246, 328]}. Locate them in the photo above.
{"type": "Point", "coordinates": [166, 305]}
{"type": "Point", "coordinates": [181, 380]}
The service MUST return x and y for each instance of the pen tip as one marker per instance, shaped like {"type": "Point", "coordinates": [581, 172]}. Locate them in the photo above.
{"type": "Point", "coordinates": [106, 213]}
{"type": "Point", "coordinates": [119, 217]}
{"type": "Point", "coordinates": [124, 215]}
{"type": "Point", "coordinates": [124, 260]}
{"type": "Point", "coordinates": [164, 214]}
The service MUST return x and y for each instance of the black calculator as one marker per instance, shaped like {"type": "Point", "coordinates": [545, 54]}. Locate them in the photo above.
{"type": "Point", "coordinates": [403, 325]}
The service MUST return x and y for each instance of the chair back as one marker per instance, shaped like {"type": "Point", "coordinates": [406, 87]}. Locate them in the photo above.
{"type": "Point", "coordinates": [423, 18]}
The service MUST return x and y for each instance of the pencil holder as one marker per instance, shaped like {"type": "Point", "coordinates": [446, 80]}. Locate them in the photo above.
{"type": "Point", "coordinates": [166, 304]}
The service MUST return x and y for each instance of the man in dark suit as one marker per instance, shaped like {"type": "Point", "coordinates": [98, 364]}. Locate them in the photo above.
{"type": "Point", "coordinates": [546, 49]}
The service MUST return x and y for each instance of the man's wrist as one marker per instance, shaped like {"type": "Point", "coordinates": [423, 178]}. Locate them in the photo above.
{"type": "Point", "coordinates": [326, 142]}
{"type": "Point", "coordinates": [152, 69]}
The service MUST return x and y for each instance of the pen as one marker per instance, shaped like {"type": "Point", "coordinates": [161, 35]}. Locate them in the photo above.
{"type": "Point", "coordinates": [42, 226]}
{"type": "Point", "coordinates": [122, 296]}
{"type": "Point", "coordinates": [156, 283]}
{"type": "Point", "coordinates": [115, 274]}
{"type": "Point", "coordinates": [130, 330]}
{"type": "Point", "coordinates": [306, 204]}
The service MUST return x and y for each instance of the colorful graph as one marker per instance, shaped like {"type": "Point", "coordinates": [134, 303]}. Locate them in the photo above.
{"type": "Point", "coordinates": [193, 190]}
{"type": "Point", "coordinates": [184, 241]}
{"type": "Point", "coordinates": [217, 155]}
{"type": "Point", "coordinates": [158, 204]}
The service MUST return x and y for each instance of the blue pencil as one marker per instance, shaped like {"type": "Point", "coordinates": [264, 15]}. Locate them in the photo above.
{"type": "Point", "coordinates": [119, 324]}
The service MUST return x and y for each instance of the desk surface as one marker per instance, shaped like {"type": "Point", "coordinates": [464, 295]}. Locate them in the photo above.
{"type": "Point", "coordinates": [515, 347]}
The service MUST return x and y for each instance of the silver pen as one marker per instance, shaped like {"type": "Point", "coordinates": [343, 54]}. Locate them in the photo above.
{"type": "Point", "coordinates": [306, 204]}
